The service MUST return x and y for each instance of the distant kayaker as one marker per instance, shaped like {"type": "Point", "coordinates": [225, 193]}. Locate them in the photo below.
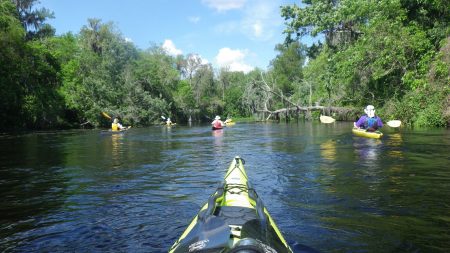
{"type": "Point", "coordinates": [168, 122]}
{"type": "Point", "coordinates": [116, 126]}
{"type": "Point", "coordinates": [217, 123]}
{"type": "Point", "coordinates": [369, 121]}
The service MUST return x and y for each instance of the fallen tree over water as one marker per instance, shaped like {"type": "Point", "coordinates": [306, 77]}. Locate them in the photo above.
{"type": "Point", "coordinates": [265, 92]}
{"type": "Point", "coordinates": [340, 113]}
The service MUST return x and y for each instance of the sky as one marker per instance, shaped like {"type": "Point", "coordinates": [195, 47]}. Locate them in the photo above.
{"type": "Point", "coordinates": [238, 34]}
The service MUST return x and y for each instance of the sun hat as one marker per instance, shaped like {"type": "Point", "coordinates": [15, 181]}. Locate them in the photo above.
{"type": "Point", "coordinates": [217, 117]}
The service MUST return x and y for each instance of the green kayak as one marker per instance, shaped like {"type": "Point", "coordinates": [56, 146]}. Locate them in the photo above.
{"type": "Point", "coordinates": [234, 219]}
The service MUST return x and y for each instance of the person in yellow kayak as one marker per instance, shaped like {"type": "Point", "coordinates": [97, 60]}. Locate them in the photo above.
{"type": "Point", "coordinates": [369, 121]}
{"type": "Point", "coordinates": [116, 126]}
{"type": "Point", "coordinates": [169, 122]}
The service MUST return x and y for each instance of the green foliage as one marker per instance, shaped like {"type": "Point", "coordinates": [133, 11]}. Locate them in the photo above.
{"type": "Point", "coordinates": [390, 53]}
{"type": "Point", "coordinates": [33, 19]}
{"type": "Point", "coordinates": [184, 99]}
{"type": "Point", "coordinates": [11, 47]}
{"type": "Point", "coordinates": [287, 66]}
{"type": "Point", "coordinates": [233, 102]}
{"type": "Point", "coordinates": [422, 107]}
{"type": "Point", "coordinates": [375, 51]}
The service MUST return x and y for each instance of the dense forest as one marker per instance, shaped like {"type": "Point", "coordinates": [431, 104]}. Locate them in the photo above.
{"type": "Point", "coordinates": [390, 53]}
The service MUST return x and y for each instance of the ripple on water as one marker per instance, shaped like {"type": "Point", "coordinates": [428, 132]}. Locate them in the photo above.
{"type": "Point", "coordinates": [81, 191]}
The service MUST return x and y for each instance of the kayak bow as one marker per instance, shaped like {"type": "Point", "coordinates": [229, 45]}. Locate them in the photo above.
{"type": "Point", "coordinates": [233, 219]}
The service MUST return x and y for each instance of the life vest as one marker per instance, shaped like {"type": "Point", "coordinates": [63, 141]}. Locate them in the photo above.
{"type": "Point", "coordinates": [114, 127]}
{"type": "Point", "coordinates": [371, 123]}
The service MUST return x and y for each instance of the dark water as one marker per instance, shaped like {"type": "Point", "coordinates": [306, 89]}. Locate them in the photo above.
{"type": "Point", "coordinates": [84, 191]}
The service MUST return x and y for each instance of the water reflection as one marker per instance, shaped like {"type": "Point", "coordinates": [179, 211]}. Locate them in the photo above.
{"type": "Point", "coordinates": [218, 140]}
{"type": "Point", "coordinates": [116, 154]}
{"type": "Point", "coordinates": [368, 150]}
{"type": "Point", "coordinates": [324, 187]}
{"type": "Point", "coordinates": [328, 150]}
{"type": "Point", "coordinates": [395, 143]}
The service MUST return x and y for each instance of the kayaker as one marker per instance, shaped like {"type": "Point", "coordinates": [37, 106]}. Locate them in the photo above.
{"type": "Point", "coordinates": [168, 122]}
{"type": "Point", "coordinates": [116, 126]}
{"type": "Point", "coordinates": [369, 121]}
{"type": "Point", "coordinates": [217, 123]}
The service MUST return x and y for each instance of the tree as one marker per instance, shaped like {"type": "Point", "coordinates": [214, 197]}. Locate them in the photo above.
{"type": "Point", "coordinates": [11, 44]}
{"type": "Point", "coordinates": [287, 67]}
{"type": "Point", "coordinates": [33, 20]}
{"type": "Point", "coordinates": [94, 80]}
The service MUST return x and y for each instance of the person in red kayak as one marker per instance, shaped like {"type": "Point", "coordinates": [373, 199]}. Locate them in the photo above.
{"type": "Point", "coordinates": [217, 123]}
{"type": "Point", "coordinates": [369, 121]}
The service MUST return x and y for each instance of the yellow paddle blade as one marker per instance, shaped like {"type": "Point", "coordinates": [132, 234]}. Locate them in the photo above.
{"type": "Point", "coordinates": [394, 123]}
{"type": "Point", "coordinates": [106, 115]}
{"type": "Point", "coordinates": [326, 119]}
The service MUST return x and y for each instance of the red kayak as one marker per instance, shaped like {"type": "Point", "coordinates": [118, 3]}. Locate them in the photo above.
{"type": "Point", "coordinates": [216, 128]}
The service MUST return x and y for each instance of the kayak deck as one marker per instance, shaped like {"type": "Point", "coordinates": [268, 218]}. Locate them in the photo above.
{"type": "Point", "coordinates": [233, 218]}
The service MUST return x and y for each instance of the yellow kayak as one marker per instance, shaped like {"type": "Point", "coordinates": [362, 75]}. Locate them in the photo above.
{"type": "Point", "coordinates": [363, 133]}
{"type": "Point", "coordinates": [233, 220]}
{"type": "Point", "coordinates": [229, 122]}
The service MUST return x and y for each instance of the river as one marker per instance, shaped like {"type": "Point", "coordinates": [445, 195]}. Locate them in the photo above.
{"type": "Point", "coordinates": [91, 191]}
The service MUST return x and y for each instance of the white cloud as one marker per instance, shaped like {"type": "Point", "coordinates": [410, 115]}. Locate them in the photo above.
{"type": "Point", "coordinates": [224, 5]}
{"type": "Point", "coordinates": [128, 40]}
{"type": "Point", "coordinates": [261, 20]}
{"type": "Point", "coordinates": [170, 48]}
{"type": "Point", "coordinates": [233, 59]}
{"type": "Point", "coordinates": [194, 19]}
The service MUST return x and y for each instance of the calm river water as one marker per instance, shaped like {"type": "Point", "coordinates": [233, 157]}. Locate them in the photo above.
{"type": "Point", "coordinates": [87, 191]}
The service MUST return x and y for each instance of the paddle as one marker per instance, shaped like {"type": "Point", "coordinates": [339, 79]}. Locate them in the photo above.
{"type": "Point", "coordinates": [106, 115]}
{"type": "Point", "coordinates": [394, 123]}
{"type": "Point", "coordinates": [326, 119]}
{"type": "Point", "coordinates": [110, 118]}
{"type": "Point", "coordinates": [165, 121]}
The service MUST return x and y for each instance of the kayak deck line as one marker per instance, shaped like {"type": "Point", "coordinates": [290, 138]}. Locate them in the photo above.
{"type": "Point", "coordinates": [234, 218]}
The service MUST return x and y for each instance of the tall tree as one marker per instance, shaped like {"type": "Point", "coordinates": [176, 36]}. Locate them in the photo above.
{"type": "Point", "coordinates": [33, 20]}
{"type": "Point", "coordinates": [287, 66]}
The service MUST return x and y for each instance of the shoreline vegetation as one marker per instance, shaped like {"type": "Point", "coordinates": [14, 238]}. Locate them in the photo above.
{"type": "Point", "coordinates": [394, 55]}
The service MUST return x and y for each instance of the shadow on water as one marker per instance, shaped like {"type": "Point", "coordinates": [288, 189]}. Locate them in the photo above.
{"type": "Point", "coordinates": [326, 189]}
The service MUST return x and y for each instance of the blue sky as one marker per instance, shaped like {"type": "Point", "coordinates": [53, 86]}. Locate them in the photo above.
{"type": "Point", "coordinates": [240, 34]}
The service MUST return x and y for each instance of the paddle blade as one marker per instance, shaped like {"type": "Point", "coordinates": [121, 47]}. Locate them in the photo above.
{"type": "Point", "coordinates": [106, 115]}
{"type": "Point", "coordinates": [164, 118]}
{"type": "Point", "coordinates": [326, 119]}
{"type": "Point", "coordinates": [394, 123]}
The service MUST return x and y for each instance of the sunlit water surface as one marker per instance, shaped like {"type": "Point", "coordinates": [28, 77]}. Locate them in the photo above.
{"type": "Point", "coordinates": [89, 191]}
